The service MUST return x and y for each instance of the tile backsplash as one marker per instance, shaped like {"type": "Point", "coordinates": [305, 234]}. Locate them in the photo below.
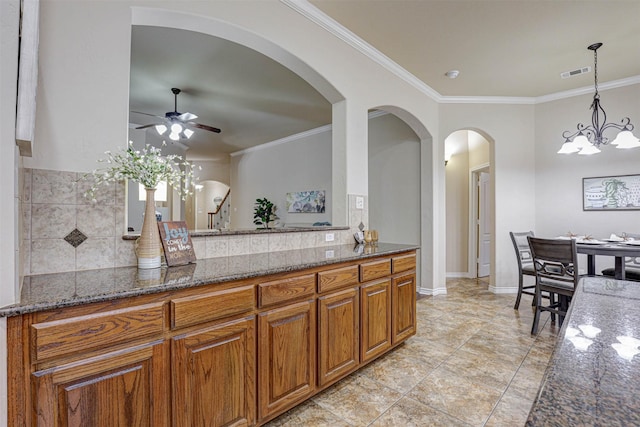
{"type": "Point", "coordinates": [64, 231]}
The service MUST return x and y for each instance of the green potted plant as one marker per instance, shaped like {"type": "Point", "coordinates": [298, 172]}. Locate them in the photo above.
{"type": "Point", "coordinates": [264, 212]}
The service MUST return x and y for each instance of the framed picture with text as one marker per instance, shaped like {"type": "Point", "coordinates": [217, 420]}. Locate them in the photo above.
{"type": "Point", "coordinates": [176, 241]}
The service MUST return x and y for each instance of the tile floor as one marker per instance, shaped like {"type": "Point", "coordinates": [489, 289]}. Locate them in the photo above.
{"type": "Point", "coordinates": [472, 362]}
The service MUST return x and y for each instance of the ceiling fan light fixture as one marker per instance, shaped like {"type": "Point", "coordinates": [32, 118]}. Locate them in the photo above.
{"type": "Point", "coordinates": [176, 128]}
{"type": "Point", "coordinates": [174, 136]}
{"type": "Point", "coordinates": [188, 133]}
{"type": "Point", "coordinates": [161, 129]}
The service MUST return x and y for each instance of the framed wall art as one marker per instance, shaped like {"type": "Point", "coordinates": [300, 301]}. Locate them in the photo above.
{"type": "Point", "coordinates": [610, 193]}
{"type": "Point", "coordinates": [306, 202]}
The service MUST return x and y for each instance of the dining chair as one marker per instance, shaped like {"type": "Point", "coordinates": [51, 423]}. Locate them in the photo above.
{"type": "Point", "coordinates": [556, 266]}
{"type": "Point", "coordinates": [631, 264]}
{"type": "Point", "coordinates": [525, 263]}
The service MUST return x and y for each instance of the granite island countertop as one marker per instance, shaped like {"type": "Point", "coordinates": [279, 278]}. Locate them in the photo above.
{"type": "Point", "coordinates": [593, 377]}
{"type": "Point", "coordinates": [58, 290]}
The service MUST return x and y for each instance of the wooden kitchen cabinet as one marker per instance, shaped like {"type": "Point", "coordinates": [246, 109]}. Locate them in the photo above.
{"type": "Point", "coordinates": [338, 335]}
{"type": "Point", "coordinates": [375, 312]}
{"type": "Point", "coordinates": [286, 356]}
{"type": "Point", "coordinates": [214, 375]}
{"type": "Point", "coordinates": [403, 296]}
{"type": "Point", "coordinates": [123, 388]}
{"type": "Point", "coordinates": [237, 353]}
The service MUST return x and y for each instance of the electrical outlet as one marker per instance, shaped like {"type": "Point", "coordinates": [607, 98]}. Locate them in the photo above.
{"type": "Point", "coordinates": [359, 202]}
{"type": "Point", "coordinates": [329, 237]}
{"type": "Point", "coordinates": [329, 254]}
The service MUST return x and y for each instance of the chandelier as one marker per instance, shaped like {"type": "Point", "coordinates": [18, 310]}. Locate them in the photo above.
{"type": "Point", "coordinates": [587, 139]}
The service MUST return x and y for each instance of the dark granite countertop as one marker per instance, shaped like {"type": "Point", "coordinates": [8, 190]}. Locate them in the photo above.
{"type": "Point", "coordinates": [243, 231]}
{"type": "Point", "coordinates": [50, 291]}
{"type": "Point", "coordinates": [593, 377]}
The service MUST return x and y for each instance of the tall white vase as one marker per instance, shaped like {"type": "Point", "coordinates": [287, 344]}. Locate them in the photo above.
{"type": "Point", "coordinates": [148, 245]}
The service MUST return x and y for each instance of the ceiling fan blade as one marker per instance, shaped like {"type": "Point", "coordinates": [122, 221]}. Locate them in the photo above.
{"type": "Point", "coordinates": [147, 126]}
{"type": "Point", "coordinates": [147, 114]}
{"type": "Point", "coordinates": [187, 117]}
{"type": "Point", "coordinates": [205, 127]}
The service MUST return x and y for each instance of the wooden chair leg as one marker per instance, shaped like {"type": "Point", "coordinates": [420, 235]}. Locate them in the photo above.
{"type": "Point", "coordinates": [515, 307]}
{"type": "Point", "coordinates": [536, 315]}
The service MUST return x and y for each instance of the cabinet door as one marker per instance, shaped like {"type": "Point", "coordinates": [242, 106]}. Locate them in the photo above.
{"type": "Point", "coordinates": [375, 300]}
{"type": "Point", "coordinates": [214, 375]}
{"type": "Point", "coordinates": [286, 356]}
{"type": "Point", "coordinates": [404, 307]}
{"type": "Point", "coordinates": [339, 334]}
{"type": "Point", "coordinates": [122, 388]}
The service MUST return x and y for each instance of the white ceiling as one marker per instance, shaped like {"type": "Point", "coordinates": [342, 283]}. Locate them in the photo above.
{"type": "Point", "coordinates": [501, 47]}
{"type": "Point", "coordinates": [514, 48]}
{"type": "Point", "coordinates": [250, 97]}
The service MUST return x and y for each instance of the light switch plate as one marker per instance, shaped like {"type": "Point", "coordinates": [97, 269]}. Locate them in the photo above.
{"type": "Point", "coordinates": [359, 202]}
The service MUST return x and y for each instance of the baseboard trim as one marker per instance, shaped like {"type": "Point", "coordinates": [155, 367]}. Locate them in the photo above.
{"type": "Point", "coordinates": [432, 292]}
{"type": "Point", "coordinates": [502, 290]}
{"type": "Point", "coordinates": [459, 275]}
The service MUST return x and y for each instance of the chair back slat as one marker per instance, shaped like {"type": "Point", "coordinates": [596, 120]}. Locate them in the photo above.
{"type": "Point", "coordinates": [555, 259]}
{"type": "Point", "coordinates": [521, 246]}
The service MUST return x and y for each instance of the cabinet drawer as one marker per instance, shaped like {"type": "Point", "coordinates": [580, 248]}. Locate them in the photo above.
{"type": "Point", "coordinates": [337, 278]}
{"type": "Point", "coordinates": [277, 291]}
{"type": "Point", "coordinates": [375, 269]}
{"type": "Point", "coordinates": [83, 333]}
{"type": "Point", "coordinates": [404, 263]}
{"type": "Point", "coordinates": [196, 309]}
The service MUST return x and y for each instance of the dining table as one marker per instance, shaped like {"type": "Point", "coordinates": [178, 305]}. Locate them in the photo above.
{"type": "Point", "coordinates": [619, 250]}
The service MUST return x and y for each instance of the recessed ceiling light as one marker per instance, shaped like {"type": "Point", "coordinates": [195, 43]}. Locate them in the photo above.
{"type": "Point", "coordinates": [452, 74]}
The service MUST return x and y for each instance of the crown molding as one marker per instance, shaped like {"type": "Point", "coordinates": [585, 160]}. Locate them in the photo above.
{"type": "Point", "coordinates": [588, 89]}
{"type": "Point", "coordinates": [286, 139]}
{"type": "Point", "coordinates": [301, 135]}
{"type": "Point", "coordinates": [309, 11]}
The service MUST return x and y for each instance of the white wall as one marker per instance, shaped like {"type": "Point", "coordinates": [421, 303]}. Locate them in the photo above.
{"type": "Point", "coordinates": [394, 180]}
{"type": "Point", "coordinates": [510, 132]}
{"type": "Point", "coordinates": [470, 150]}
{"type": "Point", "coordinates": [558, 191]}
{"type": "Point", "coordinates": [457, 197]}
{"type": "Point", "coordinates": [272, 172]}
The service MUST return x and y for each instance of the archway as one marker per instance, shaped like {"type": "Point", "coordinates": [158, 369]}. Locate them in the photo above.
{"type": "Point", "coordinates": [469, 204]}
{"type": "Point", "coordinates": [409, 146]}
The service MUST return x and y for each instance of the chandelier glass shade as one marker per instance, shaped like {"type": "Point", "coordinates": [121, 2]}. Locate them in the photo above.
{"type": "Point", "coordinates": [587, 139]}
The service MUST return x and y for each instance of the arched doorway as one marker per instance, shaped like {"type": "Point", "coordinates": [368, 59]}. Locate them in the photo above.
{"type": "Point", "coordinates": [400, 186]}
{"type": "Point", "coordinates": [469, 204]}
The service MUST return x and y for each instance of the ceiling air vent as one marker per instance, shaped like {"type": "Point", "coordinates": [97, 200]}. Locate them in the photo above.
{"type": "Point", "coordinates": [574, 73]}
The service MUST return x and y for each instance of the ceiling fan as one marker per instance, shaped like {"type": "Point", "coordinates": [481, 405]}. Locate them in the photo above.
{"type": "Point", "coordinates": [177, 123]}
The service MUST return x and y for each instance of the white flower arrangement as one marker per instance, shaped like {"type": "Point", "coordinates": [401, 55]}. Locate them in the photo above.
{"type": "Point", "coordinates": [147, 167]}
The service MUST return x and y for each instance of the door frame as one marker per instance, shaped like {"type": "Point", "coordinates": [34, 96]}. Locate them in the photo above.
{"type": "Point", "coordinates": [474, 178]}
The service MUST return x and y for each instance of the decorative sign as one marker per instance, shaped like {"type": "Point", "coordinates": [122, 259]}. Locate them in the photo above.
{"type": "Point", "coordinates": [178, 248]}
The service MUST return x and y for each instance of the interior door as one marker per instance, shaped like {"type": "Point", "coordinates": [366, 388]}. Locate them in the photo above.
{"type": "Point", "coordinates": [484, 225]}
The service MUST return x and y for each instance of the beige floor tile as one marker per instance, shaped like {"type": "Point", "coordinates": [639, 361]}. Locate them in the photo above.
{"type": "Point", "coordinates": [308, 414]}
{"type": "Point", "coordinates": [398, 370]}
{"type": "Point", "coordinates": [357, 399]}
{"type": "Point", "coordinates": [411, 413]}
{"type": "Point", "coordinates": [456, 396]}
{"type": "Point", "coordinates": [512, 410]}
{"type": "Point", "coordinates": [487, 369]}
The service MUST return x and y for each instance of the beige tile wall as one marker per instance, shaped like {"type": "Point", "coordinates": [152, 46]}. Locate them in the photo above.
{"type": "Point", "coordinates": [53, 205]}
